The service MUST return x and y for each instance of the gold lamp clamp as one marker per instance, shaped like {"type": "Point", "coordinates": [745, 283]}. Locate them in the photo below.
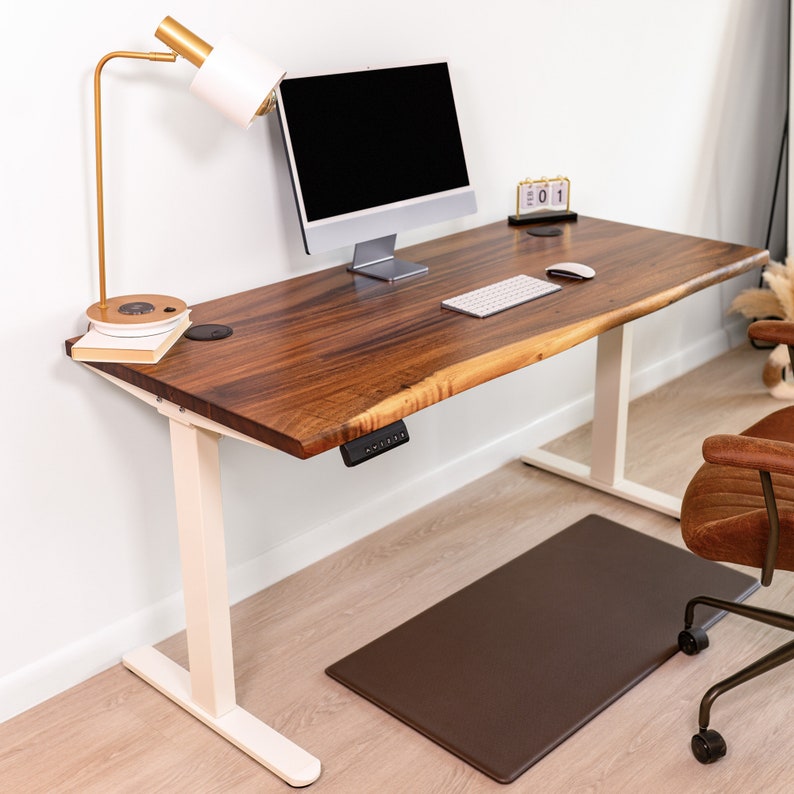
{"type": "Point", "coordinates": [231, 78]}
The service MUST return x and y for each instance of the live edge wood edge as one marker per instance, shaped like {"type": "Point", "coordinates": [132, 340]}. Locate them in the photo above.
{"type": "Point", "coordinates": [323, 358]}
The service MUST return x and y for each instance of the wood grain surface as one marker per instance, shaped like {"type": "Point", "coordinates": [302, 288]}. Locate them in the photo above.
{"type": "Point", "coordinates": [323, 358]}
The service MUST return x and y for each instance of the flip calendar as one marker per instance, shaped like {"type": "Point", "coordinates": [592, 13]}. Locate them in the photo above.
{"type": "Point", "coordinates": [543, 199]}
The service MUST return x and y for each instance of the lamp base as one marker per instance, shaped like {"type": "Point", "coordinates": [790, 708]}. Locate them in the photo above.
{"type": "Point", "coordinates": [137, 315]}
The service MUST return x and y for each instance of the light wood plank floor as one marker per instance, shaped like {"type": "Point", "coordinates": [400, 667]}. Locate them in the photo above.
{"type": "Point", "coordinates": [114, 734]}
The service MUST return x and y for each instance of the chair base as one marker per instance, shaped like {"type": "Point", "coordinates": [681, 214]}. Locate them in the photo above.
{"type": "Point", "coordinates": [708, 745]}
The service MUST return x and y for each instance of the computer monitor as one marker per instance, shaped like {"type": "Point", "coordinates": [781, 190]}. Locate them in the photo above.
{"type": "Point", "coordinates": [374, 152]}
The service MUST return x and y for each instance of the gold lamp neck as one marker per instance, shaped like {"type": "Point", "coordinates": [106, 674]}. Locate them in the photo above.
{"type": "Point", "coordinates": [183, 42]}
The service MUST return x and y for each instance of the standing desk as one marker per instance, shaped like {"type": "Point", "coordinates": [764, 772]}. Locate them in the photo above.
{"type": "Point", "coordinates": [321, 359]}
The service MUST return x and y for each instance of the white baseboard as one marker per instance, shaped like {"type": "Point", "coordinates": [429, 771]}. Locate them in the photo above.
{"type": "Point", "coordinates": [78, 661]}
{"type": "Point", "coordinates": [90, 655]}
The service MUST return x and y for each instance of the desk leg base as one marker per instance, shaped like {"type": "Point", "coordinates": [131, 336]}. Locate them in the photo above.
{"type": "Point", "coordinates": [625, 489]}
{"type": "Point", "coordinates": [252, 736]}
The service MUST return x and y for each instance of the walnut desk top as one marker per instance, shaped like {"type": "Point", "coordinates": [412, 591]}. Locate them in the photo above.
{"type": "Point", "coordinates": [320, 359]}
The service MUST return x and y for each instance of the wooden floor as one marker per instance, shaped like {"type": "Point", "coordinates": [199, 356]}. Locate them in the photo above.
{"type": "Point", "coordinates": [113, 733]}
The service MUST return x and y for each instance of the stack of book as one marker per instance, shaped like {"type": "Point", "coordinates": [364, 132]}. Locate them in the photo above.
{"type": "Point", "coordinates": [97, 346]}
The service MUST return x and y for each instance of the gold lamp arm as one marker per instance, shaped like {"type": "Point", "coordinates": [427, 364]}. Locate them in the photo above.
{"type": "Point", "coordinates": [169, 57]}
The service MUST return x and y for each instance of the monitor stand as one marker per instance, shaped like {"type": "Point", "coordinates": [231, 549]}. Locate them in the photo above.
{"type": "Point", "coordinates": [375, 258]}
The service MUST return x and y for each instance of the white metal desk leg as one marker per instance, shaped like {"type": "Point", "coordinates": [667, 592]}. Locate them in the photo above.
{"type": "Point", "coordinates": [207, 691]}
{"type": "Point", "coordinates": [203, 550]}
{"type": "Point", "coordinates": [611, 410]}
{"type": "Point", "coordinates": [610, 426]}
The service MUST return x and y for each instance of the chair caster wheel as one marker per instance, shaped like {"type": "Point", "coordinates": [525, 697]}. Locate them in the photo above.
{"type": "Point", "coordinates": [708, 746]}
{"type": "Point", "coordinates": [693, 641]}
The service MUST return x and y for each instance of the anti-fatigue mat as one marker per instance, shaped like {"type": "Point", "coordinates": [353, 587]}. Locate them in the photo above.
{"type": "Point", "coordinates": [510, 666]}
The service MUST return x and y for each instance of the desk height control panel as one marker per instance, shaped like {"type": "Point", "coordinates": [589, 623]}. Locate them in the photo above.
{"type": "Point", "coordinates": [373, 444]}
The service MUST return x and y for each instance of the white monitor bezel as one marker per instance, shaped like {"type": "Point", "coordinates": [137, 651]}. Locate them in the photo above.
{"type": "Point", "coordinates": [339, 231]}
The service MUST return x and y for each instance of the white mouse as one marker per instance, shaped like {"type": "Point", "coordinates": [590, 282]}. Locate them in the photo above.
{"type": "Point", "coordinates": [570, 270]}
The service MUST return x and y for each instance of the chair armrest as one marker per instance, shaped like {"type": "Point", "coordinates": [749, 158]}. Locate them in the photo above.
{"type": "Point", "coordinates": [779, 331]}
{"type": "Point", "coordinates": [747, 452]}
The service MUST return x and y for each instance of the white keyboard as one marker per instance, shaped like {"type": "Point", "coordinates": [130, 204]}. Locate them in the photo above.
{"type": "Point", "coordinates": [497, 297]}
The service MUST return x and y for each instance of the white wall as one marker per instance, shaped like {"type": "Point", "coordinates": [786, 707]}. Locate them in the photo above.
{"type": "Point", "coordinates": [666, 115]}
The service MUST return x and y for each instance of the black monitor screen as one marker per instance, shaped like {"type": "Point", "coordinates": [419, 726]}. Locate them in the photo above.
{"type": "Point", "coordinates": [370, 138]}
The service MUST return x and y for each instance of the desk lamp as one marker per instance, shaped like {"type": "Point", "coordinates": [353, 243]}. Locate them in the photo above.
{"type": "Point", "coordinates": [233, 79]}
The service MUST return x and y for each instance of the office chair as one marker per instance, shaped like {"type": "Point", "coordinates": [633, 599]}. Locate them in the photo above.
{"type": "Point", "coordinates": [739, 508]}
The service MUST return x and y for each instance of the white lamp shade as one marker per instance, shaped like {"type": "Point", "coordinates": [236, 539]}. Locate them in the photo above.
{"type": "Point", "coordinates": [236, 80]}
